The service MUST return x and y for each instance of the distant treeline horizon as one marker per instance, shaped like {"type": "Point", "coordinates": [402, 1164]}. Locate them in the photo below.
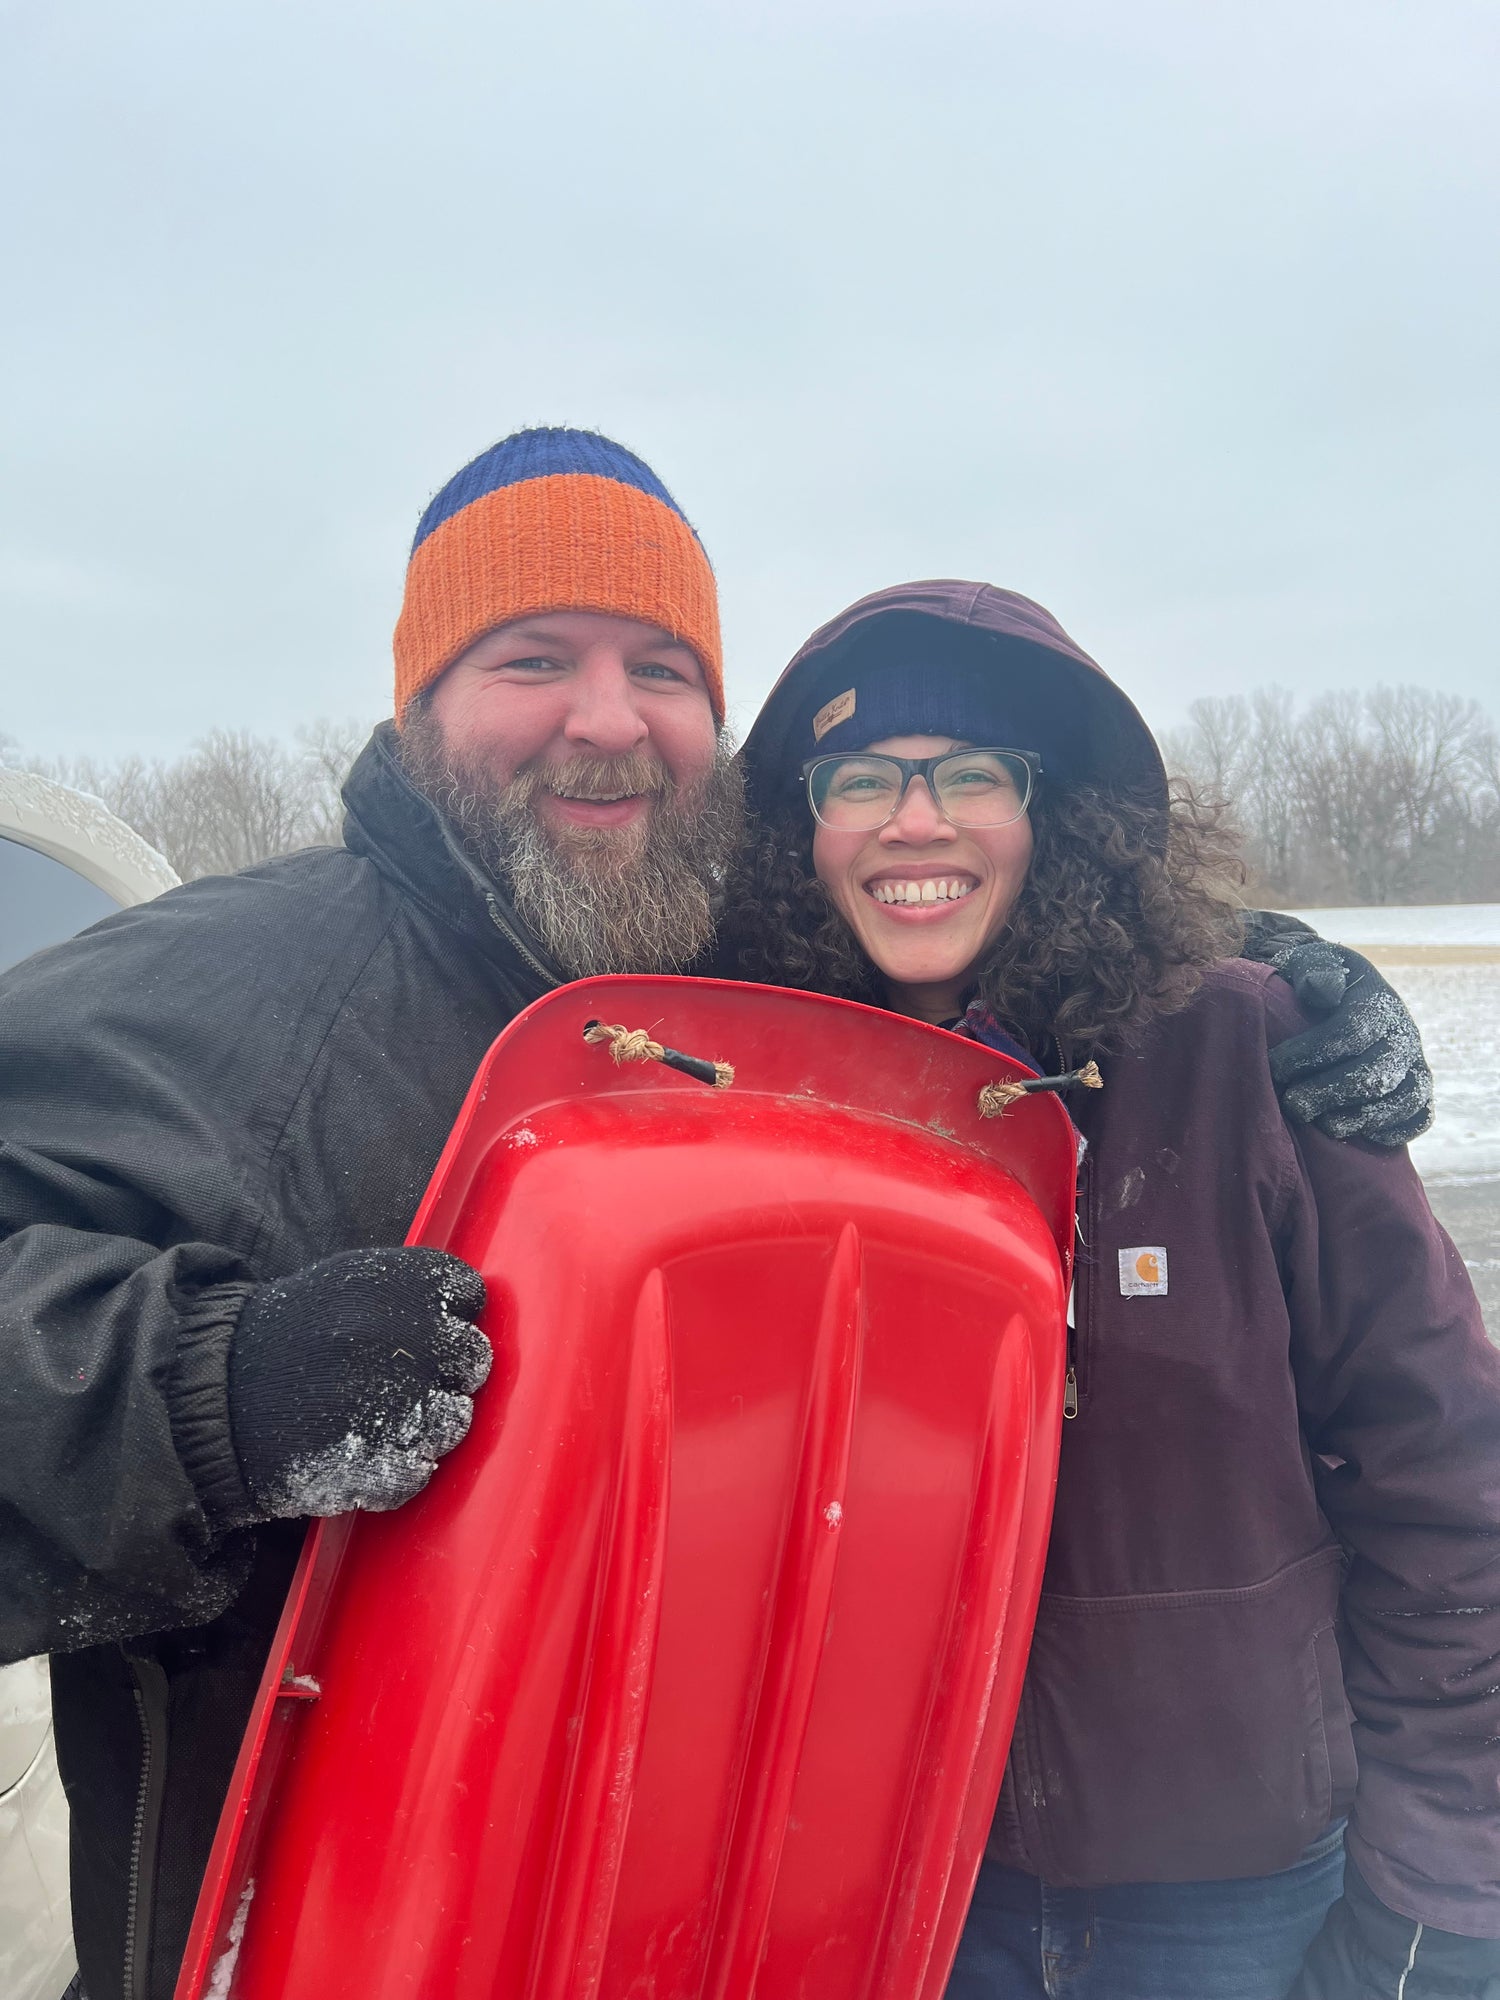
{"type": "Point", "coordinates": [1389, 795]}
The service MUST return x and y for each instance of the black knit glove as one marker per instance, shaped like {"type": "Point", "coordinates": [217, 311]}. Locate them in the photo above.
{"type": "Point", "coordinates": [349, 1380]}
{"type": "Point", "coordinates": [1360, 1073]}
{"type": "Point", "coordinates": [1366, 1951]}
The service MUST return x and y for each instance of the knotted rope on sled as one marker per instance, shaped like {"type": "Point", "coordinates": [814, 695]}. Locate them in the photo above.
{"type": "Point", "coordinates": [995, 1099]}
{"type": "Point", "coordinates": [635, 1045]}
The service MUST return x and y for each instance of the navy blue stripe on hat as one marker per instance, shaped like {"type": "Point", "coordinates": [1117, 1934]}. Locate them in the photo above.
{"type": "Point", "coordinates": [540, 454]}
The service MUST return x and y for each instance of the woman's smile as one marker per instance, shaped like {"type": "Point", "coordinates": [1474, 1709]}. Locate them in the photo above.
{"type": "Point", "coordinates": [915, 893]}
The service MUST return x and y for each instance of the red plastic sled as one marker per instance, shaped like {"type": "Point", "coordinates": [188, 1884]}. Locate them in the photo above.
{"type": "Point", "coordinates": [691, 1677]}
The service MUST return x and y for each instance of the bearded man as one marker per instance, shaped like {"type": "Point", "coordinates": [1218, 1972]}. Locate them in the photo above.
{"type": "Point", "coordinates": [221, 1109]}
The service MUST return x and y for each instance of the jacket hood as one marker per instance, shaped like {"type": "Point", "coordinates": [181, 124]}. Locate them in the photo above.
{"type": "Point", "coordinates": [1086, 730]}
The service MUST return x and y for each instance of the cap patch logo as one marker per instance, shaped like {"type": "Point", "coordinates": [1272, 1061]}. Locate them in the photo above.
{"type": "Point", "coordinates": [832, 713]}
{"type": "Point", "coordinates": [1143, 1272]}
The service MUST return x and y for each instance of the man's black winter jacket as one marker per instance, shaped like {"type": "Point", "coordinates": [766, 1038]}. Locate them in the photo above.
{"type": "Point", "coordinates": [196, 1097]}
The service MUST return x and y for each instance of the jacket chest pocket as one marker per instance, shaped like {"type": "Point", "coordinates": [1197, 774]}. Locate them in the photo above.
{"type": "Point", "coordinates": [1142, 1303]}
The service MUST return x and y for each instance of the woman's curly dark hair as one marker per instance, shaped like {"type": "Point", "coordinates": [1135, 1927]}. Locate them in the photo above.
{"type": "Point", "coordinates": [1112, 928]}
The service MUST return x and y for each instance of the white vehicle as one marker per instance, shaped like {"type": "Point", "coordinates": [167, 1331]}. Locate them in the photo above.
{"type": "Point", "coordinates": [65, 862]}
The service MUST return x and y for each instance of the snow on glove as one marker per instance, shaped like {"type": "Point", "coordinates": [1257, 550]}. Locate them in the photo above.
{"type": "Point", "coordinates": [1366, 1951]}
{"type": "Point", "coordinates": [1360, 1072]}
{"type": "Point", "coordinates": [349, 1380]}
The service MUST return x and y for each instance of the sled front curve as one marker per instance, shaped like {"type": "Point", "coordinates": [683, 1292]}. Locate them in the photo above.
{"type": "Point", "coordinates": [691, 1676]}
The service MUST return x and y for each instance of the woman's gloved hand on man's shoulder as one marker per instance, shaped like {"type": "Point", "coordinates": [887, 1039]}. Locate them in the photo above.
{"type": "Point", "coordinates": [1359, 1072]}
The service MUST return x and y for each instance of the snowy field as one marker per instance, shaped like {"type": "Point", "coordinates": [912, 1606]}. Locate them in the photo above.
{"type": "Point", "coordinates": [1445, 962]}
{"type": "Point", "coordinates": [1465, 924]}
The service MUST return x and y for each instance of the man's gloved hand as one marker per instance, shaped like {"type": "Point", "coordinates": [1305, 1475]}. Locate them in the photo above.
{"type": "Point", "coordinates": [1366, 1951]}
{"type": "Point", "coordinates": [349, 1380]}
{"type": "Point", "coordinates": [1360, 1073]}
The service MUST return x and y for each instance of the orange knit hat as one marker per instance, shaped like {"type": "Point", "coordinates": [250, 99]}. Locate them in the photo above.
{"type": "Point", "coordinates": [552, 520]}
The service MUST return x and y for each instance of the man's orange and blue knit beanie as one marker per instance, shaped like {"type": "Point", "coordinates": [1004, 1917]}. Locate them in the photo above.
{"type": "Point", "coordinates": [552, 520]}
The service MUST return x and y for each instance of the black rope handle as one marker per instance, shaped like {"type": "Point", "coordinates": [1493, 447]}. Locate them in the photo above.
{"type": "Point", "coordinates": [995, 1099]}
{"type": "Point", "coordinates": [635, 1045]}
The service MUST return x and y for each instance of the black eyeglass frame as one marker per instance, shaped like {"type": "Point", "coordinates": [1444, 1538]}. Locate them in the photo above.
{"type": "Point", "coordinates": [923, 768]}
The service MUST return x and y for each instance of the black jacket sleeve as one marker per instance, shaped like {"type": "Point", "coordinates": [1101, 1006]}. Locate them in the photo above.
{"type": "Point", "coordinates": [127, 1218]}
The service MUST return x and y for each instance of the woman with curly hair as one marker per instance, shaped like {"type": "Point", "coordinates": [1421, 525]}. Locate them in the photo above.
{"type": "Point", "coordinates": [1258, 1749]}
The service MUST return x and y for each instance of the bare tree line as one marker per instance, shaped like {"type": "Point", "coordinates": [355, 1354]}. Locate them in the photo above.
{"type": "Point", "coordinates": [1387, 796]}
{"type": "Point", "coordinates": [231, 800]}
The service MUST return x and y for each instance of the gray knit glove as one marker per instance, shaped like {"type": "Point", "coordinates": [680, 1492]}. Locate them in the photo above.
{"type": "Point", "coordinates": [1358, 1073]}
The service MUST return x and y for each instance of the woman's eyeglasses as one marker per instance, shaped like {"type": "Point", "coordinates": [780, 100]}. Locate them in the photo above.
{"type": "Point", "coordinates": [856, 794]}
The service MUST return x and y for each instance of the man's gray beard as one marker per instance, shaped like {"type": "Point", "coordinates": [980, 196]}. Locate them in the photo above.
{"type": "Point", "coordinates": [637, 898]}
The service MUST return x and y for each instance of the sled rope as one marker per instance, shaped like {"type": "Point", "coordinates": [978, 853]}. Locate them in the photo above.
{"type": "Point", "coordinates": [635, 1045]}
{"type": "Point", "coordinates": [996, 1098]}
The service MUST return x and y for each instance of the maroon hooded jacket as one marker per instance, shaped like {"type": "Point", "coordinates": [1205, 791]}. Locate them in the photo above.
{"type": "Point", "coordinates": [1273, 1589]}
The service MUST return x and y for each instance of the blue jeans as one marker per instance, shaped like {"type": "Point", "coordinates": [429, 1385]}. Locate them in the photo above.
{"type": "Point", "coordinates": [1145, 1940]}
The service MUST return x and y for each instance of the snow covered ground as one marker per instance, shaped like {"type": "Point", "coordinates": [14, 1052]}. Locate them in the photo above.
{"type": "Point", "coordinates": [1457, 1008]}
{"type": "Point", "coordinates": [1427, 924]}
{"type": "Point", "coordinates": [1445, 962]}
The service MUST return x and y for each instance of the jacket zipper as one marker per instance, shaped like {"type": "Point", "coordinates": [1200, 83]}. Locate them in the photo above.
{"type": "Point", "coordinates": [149, 1687]}
{"type": "Point", "coordinates": [1081, 1301]}
{"type": "Point", "coordinates": [1070, 1380]}
{"type": "Point", "coordinates": [548, 974]}
{"type": "Point", "coordinates": [507, 931]}
{"type": "Point", "coordinates": [1021, 1799]}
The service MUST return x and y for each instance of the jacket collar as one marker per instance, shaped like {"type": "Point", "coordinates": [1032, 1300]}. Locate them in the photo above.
{"type": "Point", "coordinates": [388, 820]}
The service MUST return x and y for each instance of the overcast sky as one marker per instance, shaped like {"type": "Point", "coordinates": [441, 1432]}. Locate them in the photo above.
{"type": "Point", "coordinates": [1179, 317]}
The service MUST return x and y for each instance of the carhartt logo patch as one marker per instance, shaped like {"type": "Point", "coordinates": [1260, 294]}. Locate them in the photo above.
{"type": "Point", "coordinates": [1143, 1272]}
{"type": "Point", "coordinates": [832, 713]}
